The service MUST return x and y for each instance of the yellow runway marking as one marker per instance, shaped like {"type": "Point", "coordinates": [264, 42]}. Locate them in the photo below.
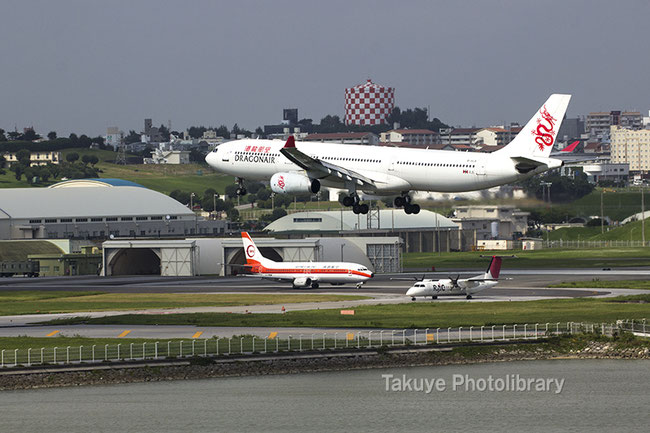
{"type": "Point", "coordinates": [272, 335]}
{"type": "Point", "coordinates": [52, 334]}
{"type": "Point", "coordinates": [124, 334]}
{"type": "Point", "coordinates": [197, 335]}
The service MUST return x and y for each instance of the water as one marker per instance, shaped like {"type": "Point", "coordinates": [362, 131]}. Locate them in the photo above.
{"type": "Point", "coordinates": [598, 395]}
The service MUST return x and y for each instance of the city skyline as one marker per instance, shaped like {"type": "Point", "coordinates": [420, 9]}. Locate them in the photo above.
{"type": "Point", "coordinates": [84, 66]}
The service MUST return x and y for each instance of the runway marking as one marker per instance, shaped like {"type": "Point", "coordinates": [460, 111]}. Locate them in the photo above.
{"type": "Point", "coordinates": [197, 335]}
{"type": "Point", "coordinates": [272, 335]}
{"type": "Point", "coordinates": [124, 334]}
{"type": "Point", "coordinates": [52, 334]}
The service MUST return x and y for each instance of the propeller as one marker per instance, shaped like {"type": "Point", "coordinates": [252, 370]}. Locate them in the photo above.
{"type": "Point", "coordinates": [454, 281]}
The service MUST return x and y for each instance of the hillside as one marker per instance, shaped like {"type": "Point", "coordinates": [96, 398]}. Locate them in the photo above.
{"type": "Point", "coordinates": [627, 232]}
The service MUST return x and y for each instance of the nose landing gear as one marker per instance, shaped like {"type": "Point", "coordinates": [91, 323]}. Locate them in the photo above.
{"type": "Point", "coordinates": [241, 189]}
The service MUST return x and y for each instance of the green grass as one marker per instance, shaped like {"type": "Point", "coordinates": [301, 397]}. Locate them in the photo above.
{"type": "Point", "coordinates": [618, 203]}
{"type": "Point", "coordinates": [30, 302]}
{"type": "Point", "coordinates": [415, 315]}
{"type": "Point", "coordinates": [598, 284]}
{"type": "Point", "coordinates": [534, 259]}
{"type": "Point", "coordinates": [628, 232]}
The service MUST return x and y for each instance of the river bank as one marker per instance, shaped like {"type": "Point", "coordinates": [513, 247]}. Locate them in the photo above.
{"type": "Point", "coordinates": [582, 347]}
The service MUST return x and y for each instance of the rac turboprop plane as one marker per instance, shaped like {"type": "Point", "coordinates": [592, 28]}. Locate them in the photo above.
{"type": "Point", "coordinates": [303, 274]}
{"type": "Point", "coordinates": [302, 167]}
{"type": "Point", "coordinates": [458, 286]}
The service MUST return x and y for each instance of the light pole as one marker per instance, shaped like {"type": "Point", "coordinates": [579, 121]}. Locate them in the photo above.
{"type": "Point", "coordinates": [192, 201]}
{"type": "Point", "coordinates": [214, 205]}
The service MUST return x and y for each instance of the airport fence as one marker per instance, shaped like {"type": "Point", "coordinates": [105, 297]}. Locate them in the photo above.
{"type": "Point", "coordinates": [576, 244]}
{"type": "Point", "coordinates": [278, 344]}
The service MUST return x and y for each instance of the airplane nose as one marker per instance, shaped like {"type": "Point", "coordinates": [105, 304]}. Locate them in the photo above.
{"type": "Point", "coordinates": [410, 292]}
{"type": "Point", "coordinates": [211, 158]}
{"type": "Point", "coordinates": [372, 274]}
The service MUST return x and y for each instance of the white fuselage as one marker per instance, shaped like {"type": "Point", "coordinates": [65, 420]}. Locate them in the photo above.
{"type": "Point", "coordinates": [393, 169]}
{"type": "Point", "coordinates": [320, 272]}
{"type": "Point", "coordinates": [446, 287]}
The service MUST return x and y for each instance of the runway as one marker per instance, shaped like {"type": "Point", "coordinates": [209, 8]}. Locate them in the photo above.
{"type": "Point", "coordinates": [516, 285]}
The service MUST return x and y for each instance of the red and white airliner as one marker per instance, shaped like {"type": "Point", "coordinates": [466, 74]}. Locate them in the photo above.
{"type": "Point", "coordinates": [302, 167]}
{"type": "Point", "coordinates": [303, 274]}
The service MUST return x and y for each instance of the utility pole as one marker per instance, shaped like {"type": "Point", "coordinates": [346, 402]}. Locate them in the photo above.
{"type": "Point", "coordinates": [642, 214]}
{"type": "Point", "coordinates": [602, 220]}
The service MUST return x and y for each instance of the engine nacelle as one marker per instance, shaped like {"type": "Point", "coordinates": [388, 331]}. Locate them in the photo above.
{"type": "Point", "coordinates": [288, 183]}
{"type": "Point", "coordinates": [301, 282]}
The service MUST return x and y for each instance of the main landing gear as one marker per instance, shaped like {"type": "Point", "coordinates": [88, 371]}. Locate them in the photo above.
{"type": "Point", "coordinates": [241, 189]}
{"type": "Point", "coordinates": [405, 201]}
{"type": "Point", "coordinates": [357, 206]}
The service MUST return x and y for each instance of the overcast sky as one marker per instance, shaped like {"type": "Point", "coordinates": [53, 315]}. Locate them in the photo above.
{"type": "Point", "coordinates": [84, 65]}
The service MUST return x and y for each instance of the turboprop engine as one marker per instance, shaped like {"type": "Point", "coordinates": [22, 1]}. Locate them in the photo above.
{"type": "Point", "coordinates": [288, 183]}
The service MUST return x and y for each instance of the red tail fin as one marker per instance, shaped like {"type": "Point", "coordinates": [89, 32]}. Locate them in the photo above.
{"type": "Point", "coordinates": [494, 268]}
{"type": "Point", "coordinates": [571, 147]}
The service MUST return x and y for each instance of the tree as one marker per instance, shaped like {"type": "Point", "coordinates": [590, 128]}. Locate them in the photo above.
{"type": "Point", "coordinates": [85, 159]}
{"type": "Point", "coordinates": [2, 164]}
{"type": "Point", "coordinates": [84, 140]}
{"type": "Point", "coordinates": [51, 135]}
{"type": "Point", "coordinates": [233, 214]}
{"type": "Point", "coordinates": [29, 135]}
{"type": "Point", "coordinates": [74, 140]}
{"type": "Point", "coordinates": [94, 159]}
{"type": "Point", "coordinates": [24, 157]}
{"type": "Point", "coordinates": [13, 135]}
{"type": "Point", "coordinates": [2, 135]}
{"type": "Point", "coordinates": [133, 137]}
{"type": "Point", "coordinates": [72, 157]}
{"type": "Point", "coordinates": [164, 132]}
{"type": "Point", "coordinates": [196, 156]}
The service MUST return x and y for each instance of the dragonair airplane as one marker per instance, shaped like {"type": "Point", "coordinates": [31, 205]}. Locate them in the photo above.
{"type": "Point", "coordinates": [303, 274]}
{"type": "Point", "coordinates": [303, 167]}
{"type": "Point", "coordinates": [458, 286]}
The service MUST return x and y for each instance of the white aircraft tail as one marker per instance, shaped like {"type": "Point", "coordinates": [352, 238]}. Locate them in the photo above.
{"type": "Point", "coordinates": [252, 253]}
{"type": "Point", "coordinates": [538, 136]}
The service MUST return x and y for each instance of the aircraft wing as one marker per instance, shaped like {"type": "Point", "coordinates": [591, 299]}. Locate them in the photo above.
{"type": "Point", "coordinates": [323, 169]}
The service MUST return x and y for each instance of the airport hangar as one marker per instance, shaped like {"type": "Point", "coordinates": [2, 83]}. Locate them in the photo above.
{"type": "Point", "coordinates": [142, 231]}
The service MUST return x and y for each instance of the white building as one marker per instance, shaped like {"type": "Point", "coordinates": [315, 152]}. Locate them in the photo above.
{"type": "Point", "coordinates": [414, 137]}
{"type": "Point", "coordinates": [492, 222]}
{"type": "Point", "coordinates": [630, 147]}
{"type": "Point", "coordinates": [159, 156]}
{"type": "Point", "coordinates": [114, 136]}
{"type": "Point", "coordinates": [35, 158]}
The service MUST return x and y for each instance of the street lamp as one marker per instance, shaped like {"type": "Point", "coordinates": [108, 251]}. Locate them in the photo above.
{"type": "Point", "coordinates": [192, 201]}
{"type": "Point", "coordinates": [214, 205]}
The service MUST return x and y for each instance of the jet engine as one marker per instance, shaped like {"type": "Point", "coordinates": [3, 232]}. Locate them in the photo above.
{"type": "Point", "coordinates": [288, 183]}
{"type": "Point", "coordinates": [301, 282]}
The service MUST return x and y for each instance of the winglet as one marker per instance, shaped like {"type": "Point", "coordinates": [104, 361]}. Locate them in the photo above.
{"type": "Point", "coordinates": [291, 142]}
{"type": "Point", "coordinates": [571, 147]}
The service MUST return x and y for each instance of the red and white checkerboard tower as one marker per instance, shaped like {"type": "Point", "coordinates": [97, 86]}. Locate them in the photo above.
{"type": "Point", "coordinates": [368, 104]}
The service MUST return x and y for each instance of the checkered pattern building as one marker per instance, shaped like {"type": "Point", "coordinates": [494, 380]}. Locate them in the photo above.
{"type": "Point", "coordinates": [368, 104]}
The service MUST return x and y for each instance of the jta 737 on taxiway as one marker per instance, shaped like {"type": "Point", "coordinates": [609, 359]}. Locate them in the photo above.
{"type": "Point", "coordinates": [303, 167]}
{"type": "Point", "coordinates": [302, 274]}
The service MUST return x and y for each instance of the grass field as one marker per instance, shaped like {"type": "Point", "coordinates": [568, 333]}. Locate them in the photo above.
{"type": "Point", "coordinates": [534, 259]}
{"type": "Point", "coordinates": [598, 284]}
{"type": "Point", "coordinates": [27, 302]}
{"type": "Point", "coordinates": [414, 315]}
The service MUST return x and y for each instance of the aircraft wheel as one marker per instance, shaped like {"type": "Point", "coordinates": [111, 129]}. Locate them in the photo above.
{"type": "Point", "coordinates": [408, 209]}
{"type": "Point", "coordinates": [415, 209]}
{"type": "Point", "coordinates": [399, 201]}
{"type": "Point", "coordinates": [469, 296]}
{"type": "Point", "coordinates": [364, 208]}
{"type": "Point", "coordinates": [412, 299]}
{"type": "Point", "coordinates": [314, 285]}
{"type": "Point", "coordinates": [356, 208]}
{"type": "Point", "coordinates": [434, 297]}
{"type": "Point", "coordinates": [348, 201]}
